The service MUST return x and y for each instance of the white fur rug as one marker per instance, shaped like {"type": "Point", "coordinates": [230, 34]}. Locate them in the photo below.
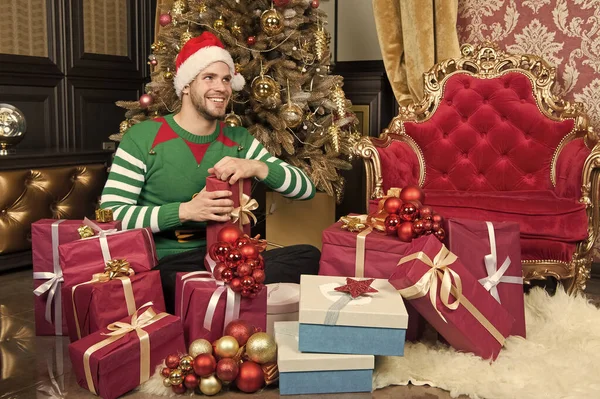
{"type": "Point", "coordinates": [559, 359]}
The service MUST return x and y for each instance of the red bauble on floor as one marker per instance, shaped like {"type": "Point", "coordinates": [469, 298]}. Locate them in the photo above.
{"type": "Point", "coordinates": [241, 330]}
{"type": "Point", "coordinates": [250, 378]}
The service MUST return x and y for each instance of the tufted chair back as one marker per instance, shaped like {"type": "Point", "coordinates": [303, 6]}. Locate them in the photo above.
{"type": "Point", "coordinates": [27, 195]}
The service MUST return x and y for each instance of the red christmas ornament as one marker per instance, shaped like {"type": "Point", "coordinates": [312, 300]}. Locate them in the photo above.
{"type": "Point", "coordinates": [440, 234]}
{"type": "Point", "coordinates": [230, 234]}
{"type": "Point", "coordinates": [227, 275]}
{"type": "Point", "coordinates": [244, 270]}
{"type": "Point", "coordinates": [392, 205]}
{"type": "Point", "coordinates": [357, 288]}
{"type": "Point", "coordinates": [314, 3]}
{"type": "Point", "coordinates": [227, 370]}
{"type": "Point", "coordinates": [391, 224]}
{"type": "Point", "coordinates": [217, 273]}
{"type": "Point", "coordinates": [191, 381]}
{"type": "Point", "coordinates": [405, 231]}
{"type": "Point", "coordinates": [259, 276]}
{"type": "Point", "coordinates": [164, 19]}
{"type": "Point", "coordinates": [426, 212]}
{"type": "Point", "coordinates": [146, 100]}
{"type": "Point", "coordinates": [172, 361]}
{"type": "Point", "coordinates": [247, 281]}
{"type": "Point", "coordinates": [236, 284]}
{"type": "Point", "coordinates": [437, 218]}
{"type": "Point", "coordinates": [179, 389]}
{"type": "Point", "coordinates": [257, 263]}
{"type": "Point", "coordinates": [246, 292]}
{"type": "Point", "coordinates": [242, 241]}
{"type": "Point", "coordinates": [249, 251]}
{"type": "Point", "coordinates": [165, 372]}
{"type": "Point", "coordinates": [412, 193]}
{"type": "Point", "coordinates": [435, 226]}
{"type": "Point", "coordinates": [250, 377]}
{"type": "Point", "coordinates": [234, 258]}
{"type": "Point", "coordinates": [153, 62]}
{"type": "Point", "coordinates": [428, 226]}
{"type": "Point", "coordinates": [409, 212]}
{"type": "Point", "coordinates": [220, 251]}
{"type": "Point", "coordinates": [204, 364]}
{"type": "Point", "coordinates": [418, 227]}
{"type": "Point", "coordinates": [251, 40]}
{"type": "Point", "coordinates": [256, 288]}
{"type": "Point", "coordinates": [240, 329]}
{"type": "Point", "coordinates": [281, 3]}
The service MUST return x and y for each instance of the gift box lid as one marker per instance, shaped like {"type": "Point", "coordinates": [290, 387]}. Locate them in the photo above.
{"type": "Point", "coordinates": [374, 241]}
{"type": "Point", "coordinates": [290, 359]}
{"type": "Point", "coordinates": [382, 309]}
{"type": "Point", "coordinates": [283, 298]}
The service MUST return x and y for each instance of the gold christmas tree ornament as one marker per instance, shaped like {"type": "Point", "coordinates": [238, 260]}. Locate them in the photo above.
{"type": "Point", "coordinates": [291, 113]}
{"type": "Point", "coordinates": [320, 42]}
{"type": "Point", "coordinates": [178, 9]}
{"type": "Point", "coordinates": [334, 137]}
{"type": "Point", "coordinates": [233, 120]}
{"type": "Point", "coordinates": [339, 99]}
{"type": "Point", "coordinates": [185, 37]}
{"type": "Point", "coordinates": [124, 126]}
{"type": "Point", "coordinates": [264, 87]}
{"type": "Point", "coordinates": [219, 23]}
{"type": "Point", "coordinates": [202, 7]}
{"type": "Point", "coordinates": [168, 75]}
{"type": "Point", "coordinates": [236, 30]}
{"type": "Point", "coordinates": [271, 22]}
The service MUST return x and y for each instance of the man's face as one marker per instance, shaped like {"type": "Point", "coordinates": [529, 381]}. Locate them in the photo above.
{"type": "Point", "coordinates": [211, 90]}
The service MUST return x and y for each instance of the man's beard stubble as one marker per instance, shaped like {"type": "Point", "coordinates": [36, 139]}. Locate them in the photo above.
{"type": "Point", "coordinates": [202, 109]}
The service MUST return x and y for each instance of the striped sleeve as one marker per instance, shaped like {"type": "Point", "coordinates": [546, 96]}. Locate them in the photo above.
{"type": "Point", "coordinates": [122, 189]}
{"type": "Point", "coordinates": [284, 178]}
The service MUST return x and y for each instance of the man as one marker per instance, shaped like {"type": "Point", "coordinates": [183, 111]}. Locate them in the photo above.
{"type": "Point", "coordinates": [161, 164]}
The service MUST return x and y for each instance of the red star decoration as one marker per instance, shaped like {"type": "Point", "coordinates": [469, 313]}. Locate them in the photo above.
{"type": "Point", "coordinates": [357, 288]}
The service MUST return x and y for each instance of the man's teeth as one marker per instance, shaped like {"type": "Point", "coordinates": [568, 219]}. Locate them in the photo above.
{"type": "Point", "coordinates": [217, 100]}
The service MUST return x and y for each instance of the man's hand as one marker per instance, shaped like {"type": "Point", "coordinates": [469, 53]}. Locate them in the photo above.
{"type": "Point", "coordinates": [214, 205]}
{"type": "Point", "coordinates": [234, 169]}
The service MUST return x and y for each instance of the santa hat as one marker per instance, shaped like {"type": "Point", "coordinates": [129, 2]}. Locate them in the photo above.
{"type": "Point", "coordinates": [198, 53]}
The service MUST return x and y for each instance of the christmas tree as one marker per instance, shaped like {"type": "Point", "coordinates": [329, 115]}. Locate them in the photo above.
{"type": "Point", "coordinates": [291, 102]}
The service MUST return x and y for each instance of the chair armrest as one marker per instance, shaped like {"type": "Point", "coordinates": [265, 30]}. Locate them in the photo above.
{"type": "Point", "coordinates": [590, 196]}
{"type": "Point", "coordinates": [569, 169]}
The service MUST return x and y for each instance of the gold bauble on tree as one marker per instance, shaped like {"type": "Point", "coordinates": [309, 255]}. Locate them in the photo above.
{"type": "Point", "coordinates": [219, 23]}
{"type": "Point", "coordinates": [271, 22]}
{"type": "Point", "coordinates": [168, 75]}
{"type": "Point", "coordinates": [210, 385]}
{"type": "Point", "coordinates": [123, 126]}
{"type": "Point", "coordinates": [184, 38]}
{"type": "Point", "coordinates": [233, 120]}
{"type": "Point", "coordinates": [199, 347]}
{"type": "Point", "coordinates": [226, 347]}
{"type": "Point", "coordinates": [263, 87]}
{"type": "Point", "coordinates": [261, 348]}
{"type": "Point", "coordinates": [292, 114]}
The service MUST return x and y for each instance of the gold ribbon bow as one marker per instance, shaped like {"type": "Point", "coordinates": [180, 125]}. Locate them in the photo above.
{"type": "Point", "coordinates": [353, 223]}
{"type": "Point", "coordinates": [118, 331]}
{"type": "Point", "coordinates": [428, 283]}
{"type": "Point", "coordinates": [104, 215]}
{"type": "Point", "coordinates": [117, 268]}
{"type": "Point", "coordinates": [85, 231]}
{"type": "Point", "coordinates": [243, 213]}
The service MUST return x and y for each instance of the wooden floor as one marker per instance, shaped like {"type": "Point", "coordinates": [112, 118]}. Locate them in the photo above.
{"type": "Point", "coordinates": [39, 367]}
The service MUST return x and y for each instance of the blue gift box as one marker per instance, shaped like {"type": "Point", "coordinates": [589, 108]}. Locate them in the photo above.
{"type": "Point", "coordinates": [372, 324]}
{"type": "Point", "coordinates": [318, 373]}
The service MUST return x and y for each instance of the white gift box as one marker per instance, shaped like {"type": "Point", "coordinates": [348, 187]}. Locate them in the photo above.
{"type": "Point", "coordinates": [283, 302]}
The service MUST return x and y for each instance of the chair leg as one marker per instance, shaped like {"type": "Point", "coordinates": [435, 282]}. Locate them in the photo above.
{"type": "Point", "coordinates": [582, 269]}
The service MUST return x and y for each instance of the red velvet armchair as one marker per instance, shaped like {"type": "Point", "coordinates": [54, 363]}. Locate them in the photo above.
{"type": "Point", "coordinates": [489, 141]}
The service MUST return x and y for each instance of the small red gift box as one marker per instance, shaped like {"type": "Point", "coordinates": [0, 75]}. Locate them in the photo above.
{"type": "Point", "coordinates": [46, 236]}
{"type": "Point", "coordinates": [369, 253]}
{"type": "Point", "coordinates": [111, 365]}
{"type": "Point", "coordinates": [242, 203]}
{"type": "Point", "coordinates": [492, 253]}
{"type": "Point", "coordinates": [93, 305]}
{"type": "Point", "coordinates": [81, 259]}
{"type": "Point", "coordinates": [443, 291]}
{"type": "Point", "coordinates": [206, 306]}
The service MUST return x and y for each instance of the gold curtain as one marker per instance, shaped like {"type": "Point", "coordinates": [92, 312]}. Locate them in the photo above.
{"type": "Point", "coordinates": [162, 7]}
{"type": "Point", "coordinates": [413, 36]}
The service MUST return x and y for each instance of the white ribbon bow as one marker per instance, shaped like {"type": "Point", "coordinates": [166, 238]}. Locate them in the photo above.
{"type": "Point", "coordinates": [496, 276]}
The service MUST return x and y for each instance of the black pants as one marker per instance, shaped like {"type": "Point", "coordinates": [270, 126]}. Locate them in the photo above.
{"type": "Point", "coordinates": [282, 265]}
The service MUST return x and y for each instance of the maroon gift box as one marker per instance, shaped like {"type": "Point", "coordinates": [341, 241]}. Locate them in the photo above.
{"type": "Point", "coordinates": [461, 328]}
{"type": "Point", "coordinates": [470, 241]}
{"type": "Point", "coordinates": [192, 301]}
{"type": "Point", "coordinates": [46, 268]}
{"type": "Point", "coordinates": [81, 259]}
{"type": "Point", "coordinates": [214, 184]}
{"type": "Point", "coordinates": [115, 368]}
{"type": "Point", "coordinates": [382, 253]}
{"type": "Point", "coordinates": [100, 303]}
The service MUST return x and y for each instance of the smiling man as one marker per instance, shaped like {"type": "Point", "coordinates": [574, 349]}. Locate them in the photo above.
{"type": "Point", "coordinates": [162, 163]}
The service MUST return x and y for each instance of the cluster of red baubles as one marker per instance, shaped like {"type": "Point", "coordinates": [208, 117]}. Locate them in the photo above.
{"type": "Point", "coordinates": [409, 218]}
{"type": "Point", "coordinates": [239, 262]}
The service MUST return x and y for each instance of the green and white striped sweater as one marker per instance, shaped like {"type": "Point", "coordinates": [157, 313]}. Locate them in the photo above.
{"type": "Point", "coordinates": [159, 165]}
